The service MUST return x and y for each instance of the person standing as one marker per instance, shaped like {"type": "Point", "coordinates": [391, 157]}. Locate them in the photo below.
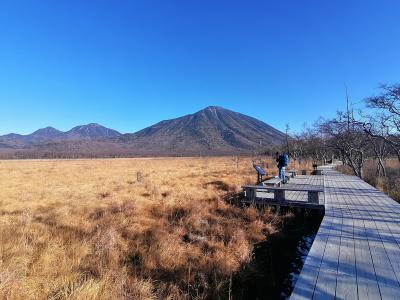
{"type": "Point", "coordinates": [282, 160]}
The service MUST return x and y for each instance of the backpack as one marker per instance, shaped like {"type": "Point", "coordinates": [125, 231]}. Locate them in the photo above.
{"type": "Point", "coordinates": [285, 159]}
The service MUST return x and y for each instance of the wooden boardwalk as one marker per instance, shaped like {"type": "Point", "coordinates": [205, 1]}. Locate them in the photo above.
{"type": "Point", "coordinates": [356, 252]}
{"type": "Point", "coordinates": [294, 198]}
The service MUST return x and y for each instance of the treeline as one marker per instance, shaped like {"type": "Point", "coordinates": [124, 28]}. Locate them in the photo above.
{"type": "Point", "coordinates": [74, 154]}
{"type": "Point", "coordinates": [355, 136]}
{"type": "Point", "coordinates": [21, 154]}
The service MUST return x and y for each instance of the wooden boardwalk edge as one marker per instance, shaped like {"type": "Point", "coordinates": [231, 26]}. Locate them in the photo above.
{"type": "Point", "coordinates": [356, 252]}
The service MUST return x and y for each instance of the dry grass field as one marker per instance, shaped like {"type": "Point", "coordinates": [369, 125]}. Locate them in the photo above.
{"type": "Point", "coordinates": [125, 228]}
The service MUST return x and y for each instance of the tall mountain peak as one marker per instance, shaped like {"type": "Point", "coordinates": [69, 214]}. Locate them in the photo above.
{"type": "Point", "coordinates": [213, 130]}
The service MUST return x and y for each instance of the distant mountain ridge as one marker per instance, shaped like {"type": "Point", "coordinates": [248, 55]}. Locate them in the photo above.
{"type": "Point", "coordinates": [92, 131]}
{"type": "Point", "coordinates": [210, 131]}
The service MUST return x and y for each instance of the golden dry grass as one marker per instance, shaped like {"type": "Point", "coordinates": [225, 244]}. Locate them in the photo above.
{"type": "Point", "coordinates": [390, 184]}
{"type": "Point", "coordinates": [124, 228]}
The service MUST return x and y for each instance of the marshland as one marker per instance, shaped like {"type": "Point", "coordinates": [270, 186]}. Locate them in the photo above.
{"type": "Point", "coordinates": [127, 228]}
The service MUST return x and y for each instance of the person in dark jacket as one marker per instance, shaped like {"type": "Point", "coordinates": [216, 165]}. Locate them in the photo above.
{"type": "Point", "coordinates": [281, 166]}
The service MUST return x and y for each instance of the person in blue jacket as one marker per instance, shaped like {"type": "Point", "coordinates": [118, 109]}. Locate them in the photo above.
{"type": "Point", "coordinates": [282, 160]}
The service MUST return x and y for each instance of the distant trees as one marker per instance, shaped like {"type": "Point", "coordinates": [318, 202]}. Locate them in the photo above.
{"type": "Point", "coordinates": [346, 136]}
{"type": "Point", "coordinates": [384, 125]}
{"type": "Point", "coordinates": [355, 137]}
{"type": "Point", "coordinates": [309, 144]}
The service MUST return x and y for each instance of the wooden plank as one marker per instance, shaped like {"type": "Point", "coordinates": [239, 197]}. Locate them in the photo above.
{"type": "Point", "coordinates": [356, 252]}
{"type": "Point", "coordinates": [386, 277]}
{"type": "Point", "coordinates": [287, 187]}
{"type": "Point", "coordinates": [367, 285]}
{"type": "Point", "coordinates": [314, 257]}
{"type": "Point", "coordinates": [326, 284]}
{"type": "Point", "coordinates": [272, 182]}
{"type": "Point", "coordinates": [346, 283]}
{"type": "Point", "coordinates": [304, 288]}
{"type": "Point", "coordinates": [290, 203]}
{"type": "Point", "coordinates": [385, 255]}
{"type": "Point", "coordinates": [305, 285]}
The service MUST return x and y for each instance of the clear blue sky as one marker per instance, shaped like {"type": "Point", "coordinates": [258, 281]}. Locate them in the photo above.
{"type": "Point", "coordinates": [129, 64]}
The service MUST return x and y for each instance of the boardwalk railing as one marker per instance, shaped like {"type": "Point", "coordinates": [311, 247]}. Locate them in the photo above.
{"type": "Point", "coordinates": [279, 192]}
{"type": "Point", "coordinates": [302, 191]}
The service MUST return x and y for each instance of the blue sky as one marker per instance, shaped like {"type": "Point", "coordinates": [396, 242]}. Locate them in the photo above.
{"type": "Point", "coordinates": [129, 64]}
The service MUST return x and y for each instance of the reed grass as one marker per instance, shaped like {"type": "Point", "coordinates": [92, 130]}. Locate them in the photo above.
{"type": "Point", "coordinates": [125, 228]}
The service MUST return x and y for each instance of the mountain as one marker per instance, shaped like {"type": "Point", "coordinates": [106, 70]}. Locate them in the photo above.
{"type": "Point", "coordinates": [45, 133]}
{"type": "Point", "coordinates": [13, 140]}
{"type": "Point", "coordinates": [210, 131]}
{"type": "Point", "coordinates": [90, 131]}
{"type": "Point", "coordinates": [213, 130]}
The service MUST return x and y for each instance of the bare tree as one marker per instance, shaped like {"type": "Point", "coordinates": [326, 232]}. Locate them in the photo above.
{"type": "Point", "coordinates": [379, 147]}
{"type": "Point", "coordinates": [387, 115]}
{"type": "Point", "coordinates": [347, 136]}
{"type": "Point", "coordinates": [287, 129]}
{"type": "Point", "coordinates": [309, 144]}
{"type": "Point", "coordinates": [296, 145]}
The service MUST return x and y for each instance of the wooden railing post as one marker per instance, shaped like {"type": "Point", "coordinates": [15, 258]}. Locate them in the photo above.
{"type": "Point", "coordinates": [250, 194]}
{"type": "Point", "coordinates": [279, 195]}
{"type": "Point", "coordinates": [313, 197]}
